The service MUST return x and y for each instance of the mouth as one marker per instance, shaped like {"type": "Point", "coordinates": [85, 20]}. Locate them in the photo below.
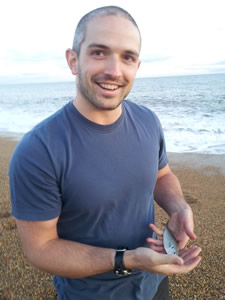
{"type": "Point", "coordinates": [110, 87]}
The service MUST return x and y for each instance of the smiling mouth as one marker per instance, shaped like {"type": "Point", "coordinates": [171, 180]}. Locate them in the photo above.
{"type": "Point", "coordinates": [110, 87]}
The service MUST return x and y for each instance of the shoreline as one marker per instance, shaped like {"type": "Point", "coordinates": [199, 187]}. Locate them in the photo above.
{"type": "Point", "coordinates": [202, 177]}
{"type": "Point", "coordinates": [198, 161]}
{"type": "Point", "coordinates": [175, 157]}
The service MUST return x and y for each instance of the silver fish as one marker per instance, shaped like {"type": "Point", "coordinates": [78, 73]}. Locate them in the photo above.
{"type": "Point", "coordinates": [169, 242]}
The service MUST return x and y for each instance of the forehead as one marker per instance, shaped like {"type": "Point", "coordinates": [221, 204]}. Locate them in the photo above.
{"type": "Point", "coordinates": [113, 31]}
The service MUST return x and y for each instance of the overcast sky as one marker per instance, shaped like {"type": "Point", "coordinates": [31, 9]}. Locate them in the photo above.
{"type": "Point", "coordinates": [179, 37]}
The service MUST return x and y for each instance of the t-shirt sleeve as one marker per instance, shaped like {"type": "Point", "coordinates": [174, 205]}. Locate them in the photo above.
{"type": "Point", "coordinates": [34, 189]}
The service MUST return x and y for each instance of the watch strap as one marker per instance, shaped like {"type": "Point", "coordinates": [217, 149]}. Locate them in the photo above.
{"type": "Point", "coordinates": [119, 268]}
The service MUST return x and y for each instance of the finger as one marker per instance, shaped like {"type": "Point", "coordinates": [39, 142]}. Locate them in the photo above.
{"type": "Point", "coordinates": [168, 259]}
{"type": "Point", "coordinates": [190, 253]}
{"type": "Point", "coordinates": [154, 241]}
{"type": "Point", "coordinates": [184, 252]}
{"type": "Point", "coordinates": [183, 243]}
{"type": "Point", "coordinates": [179, 269]}
{"type": "Point", "coordinates": [190, 265]}
{"type": "Point", "coordinates": [158, 249]}
{"type": "Point", "coordinates": [190, 233]}
{"type": "Point", "coordinates": [156, 229]}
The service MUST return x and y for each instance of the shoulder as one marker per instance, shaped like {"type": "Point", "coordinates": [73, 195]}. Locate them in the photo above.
{"type": "Point", "coordinates": [42, 142]}
{"type": "Point", "coordinates": [140, 112]}
{"type": "Point", "coordinates": [53, 123]}
{"type": "Point", "coordinates": [48, 129]}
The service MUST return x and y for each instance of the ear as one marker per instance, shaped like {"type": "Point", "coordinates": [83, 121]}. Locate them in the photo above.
{"type": "Point", "coordinates": [72, 60]}
{"type": "Point", "coordinates": [139, 63]}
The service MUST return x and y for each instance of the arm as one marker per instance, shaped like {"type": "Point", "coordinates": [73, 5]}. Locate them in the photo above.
{"type": "Point", "coordinates": [47, 252]}
{"type": "Point", "coordinates": [169, 196]}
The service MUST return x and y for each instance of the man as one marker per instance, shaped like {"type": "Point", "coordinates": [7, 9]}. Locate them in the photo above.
{"type": "Point", "coordinates": [82, 181]}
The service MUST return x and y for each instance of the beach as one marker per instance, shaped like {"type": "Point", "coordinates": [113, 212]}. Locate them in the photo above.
{"type": "Point", "coordinates": [202, 177]}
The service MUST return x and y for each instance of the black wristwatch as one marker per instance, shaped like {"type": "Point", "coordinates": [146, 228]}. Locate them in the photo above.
{"type": "Point", "coordinates": [119, 268]}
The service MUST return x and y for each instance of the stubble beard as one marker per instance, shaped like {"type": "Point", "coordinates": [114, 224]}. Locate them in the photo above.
{"type": "Point", "coordinates": [91, 96]}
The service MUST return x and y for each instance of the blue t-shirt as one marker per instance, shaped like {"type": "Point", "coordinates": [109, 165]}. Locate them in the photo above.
{"type": "Point", "coordinates": [99, 180]}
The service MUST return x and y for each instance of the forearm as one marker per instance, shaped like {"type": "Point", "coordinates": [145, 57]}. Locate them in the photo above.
{"type": "Point", "coordinates": [75, 260]}
{"type": "Point", "coordinates": [72, 259]}
{"type": "Point", "coordinates": [168, 194]}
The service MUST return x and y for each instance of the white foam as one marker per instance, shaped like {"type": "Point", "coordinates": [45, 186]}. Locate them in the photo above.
{"type": "Point", "coordinates": [192, 114]}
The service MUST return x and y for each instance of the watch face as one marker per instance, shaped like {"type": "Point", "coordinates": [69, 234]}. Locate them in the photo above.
{"type": "Point", "coordinates": [123, 272]}
{"type": "Point", "coordinates": [170, 244]}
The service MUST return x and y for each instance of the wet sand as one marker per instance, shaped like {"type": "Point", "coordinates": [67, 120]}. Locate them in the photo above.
{"type": "Point", "coordinates": [203, 181]}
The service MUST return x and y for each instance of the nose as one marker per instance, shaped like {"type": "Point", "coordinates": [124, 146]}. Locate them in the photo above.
{"type": "Point", "coordinates": [113, 67]}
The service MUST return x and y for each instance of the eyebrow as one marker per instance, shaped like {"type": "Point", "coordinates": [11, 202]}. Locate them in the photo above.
{"type": "Point", "coordinates": [93, 45]}
{"type": "Point", "coordinates": [101, 46]}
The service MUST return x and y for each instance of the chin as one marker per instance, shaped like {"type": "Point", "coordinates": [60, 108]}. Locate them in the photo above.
{"type": "Point", "coordinates": [108, 106]}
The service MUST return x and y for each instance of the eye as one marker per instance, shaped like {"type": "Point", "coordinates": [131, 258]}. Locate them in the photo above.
{"type": "Point", "coordinates": [97, 53]}
{"type": "Point", "coordinates": [129, 58]}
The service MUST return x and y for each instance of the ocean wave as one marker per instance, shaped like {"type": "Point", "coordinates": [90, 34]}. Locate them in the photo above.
{"type": "Point", "coordinates": [192, 112]}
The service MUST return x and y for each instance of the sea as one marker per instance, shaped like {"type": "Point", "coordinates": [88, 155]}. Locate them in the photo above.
{"type": "Point", "coordinates": [191, 108]}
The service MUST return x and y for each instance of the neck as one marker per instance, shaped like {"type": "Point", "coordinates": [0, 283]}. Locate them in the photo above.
{"type": "Point", "coordinates": [99, 116]}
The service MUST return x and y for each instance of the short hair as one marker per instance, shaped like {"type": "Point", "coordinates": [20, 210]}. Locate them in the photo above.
{"type": "Point", "coordinates": [80, 31]}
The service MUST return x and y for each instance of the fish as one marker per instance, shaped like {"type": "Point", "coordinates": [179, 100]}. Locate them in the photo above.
{"type": "Point", "coordinates": [169, 242]}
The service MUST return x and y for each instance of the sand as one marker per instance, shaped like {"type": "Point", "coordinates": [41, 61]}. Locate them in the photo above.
{"type": "Point", "coordinates": [203, 181]}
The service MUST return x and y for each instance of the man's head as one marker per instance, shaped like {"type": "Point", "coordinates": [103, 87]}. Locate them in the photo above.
{"type": "Point", "coordinates": [81, 29]}
{"type": "Point", "coordinates": [105, 58]}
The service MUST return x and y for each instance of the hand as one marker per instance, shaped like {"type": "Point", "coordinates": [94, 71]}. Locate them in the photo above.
{"type": "Point", "coordinates": [167, 264]}
{"type": "Point", "coordinates": [155, 260]}
{"type": "Point", "coordinates": [181, 225]}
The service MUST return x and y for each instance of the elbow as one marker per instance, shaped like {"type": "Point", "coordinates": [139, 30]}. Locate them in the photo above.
{"type": "Point", "coordinates": [33, 257]}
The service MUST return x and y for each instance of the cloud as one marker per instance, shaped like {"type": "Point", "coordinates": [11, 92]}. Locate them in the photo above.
{"type": "Point", "coordinates": [147, 58]}
{"type": "Point", "coordinates": [179, 37]}
{"type": "Point", "coordinates": [19, 56]}
{"type": "Point", "coordinates": [216, 68]}
{"type": "Point", "coordinates": [222, 62]}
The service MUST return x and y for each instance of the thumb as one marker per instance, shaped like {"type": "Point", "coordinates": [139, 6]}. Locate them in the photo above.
{"type": "Point", "coordinates": [189, 231]}
{"type": "Point", "coordinates": [175, 260]}
{"type": "Point", "coordinates": [169, 259]}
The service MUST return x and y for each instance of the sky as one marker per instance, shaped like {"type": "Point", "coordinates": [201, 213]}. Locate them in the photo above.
{"type": "Point", "coordinates": [180, 37]}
